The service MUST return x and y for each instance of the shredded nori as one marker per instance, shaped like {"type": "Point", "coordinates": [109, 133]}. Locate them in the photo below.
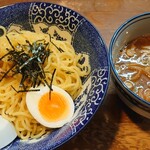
{"type": "Point", "coordinates": [28, 61]}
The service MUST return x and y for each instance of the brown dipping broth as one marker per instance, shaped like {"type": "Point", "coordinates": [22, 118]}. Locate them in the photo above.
{"type": "Point", "coordinates": [133, 66]}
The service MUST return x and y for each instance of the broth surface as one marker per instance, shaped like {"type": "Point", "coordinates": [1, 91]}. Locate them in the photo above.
{"type": "Point", "coordinates": [133, 66]}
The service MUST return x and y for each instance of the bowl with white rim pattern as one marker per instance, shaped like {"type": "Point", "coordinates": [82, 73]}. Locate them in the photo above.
{"type": "Point", "coordinates": [85, 38]}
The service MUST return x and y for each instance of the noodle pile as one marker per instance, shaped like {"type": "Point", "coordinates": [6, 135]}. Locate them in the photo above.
{"type": "Point", "coordinates": [68, 76]}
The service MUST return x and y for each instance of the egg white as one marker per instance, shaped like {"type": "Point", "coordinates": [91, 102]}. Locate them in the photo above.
{"type": "Point", "coordinates": [32, 101]}
{"type": "Point", "coordinates": [7, 132]}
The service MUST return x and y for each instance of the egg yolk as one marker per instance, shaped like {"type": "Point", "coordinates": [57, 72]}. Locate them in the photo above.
{"type": "Point", "coordinates": [53, 108]}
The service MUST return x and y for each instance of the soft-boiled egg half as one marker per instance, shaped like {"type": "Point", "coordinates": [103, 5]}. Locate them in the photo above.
{"type": "Point", "coordinates": [7, 132]}
{"type": "Point", "coordinates": [51, 109]}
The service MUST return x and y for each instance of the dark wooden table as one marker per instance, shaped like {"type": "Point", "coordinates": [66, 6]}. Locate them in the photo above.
{"type": "Point", "coordinates": [114, 126]}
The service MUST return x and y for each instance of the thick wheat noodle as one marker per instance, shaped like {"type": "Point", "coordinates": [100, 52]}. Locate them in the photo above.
{"type": "Point", "coordinates": [68, 76]}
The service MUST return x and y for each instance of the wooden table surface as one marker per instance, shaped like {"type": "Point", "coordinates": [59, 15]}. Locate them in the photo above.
{"type": "Point", "coordinates": [114, 126]}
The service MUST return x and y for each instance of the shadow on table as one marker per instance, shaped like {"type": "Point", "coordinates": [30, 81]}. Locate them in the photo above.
{"type": "Point", "coordinates": [139, 120]}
